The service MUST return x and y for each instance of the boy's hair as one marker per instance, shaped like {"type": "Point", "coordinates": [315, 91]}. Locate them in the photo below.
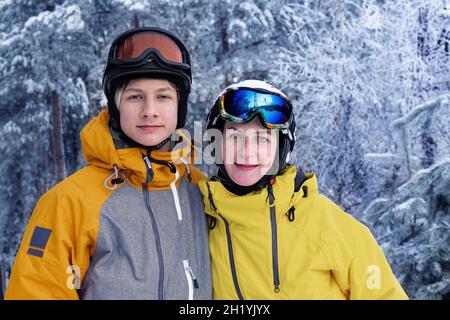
{"type": "Point", "coordinates": [119, 92]}
{"type": "Point", "coordinates": [121, 88]}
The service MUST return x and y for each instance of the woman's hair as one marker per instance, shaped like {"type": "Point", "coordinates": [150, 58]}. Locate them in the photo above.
{"type": "Point", "coordinates": [121, 88]}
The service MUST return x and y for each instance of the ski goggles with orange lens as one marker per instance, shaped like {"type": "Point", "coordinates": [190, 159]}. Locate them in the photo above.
{"type": "Point", "coordinates": [242, 105]}
{"type": "Point", "coordinates": [138, 47]}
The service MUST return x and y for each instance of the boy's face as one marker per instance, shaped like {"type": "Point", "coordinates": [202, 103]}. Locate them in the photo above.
{"type": "Point", "coordinates": [149, 110]}
{"type": "Point", "coordinates": [249, 151]}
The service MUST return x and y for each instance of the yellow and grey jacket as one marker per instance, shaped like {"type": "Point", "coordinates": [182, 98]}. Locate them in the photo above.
{"type": "Point", "coordinates": [145, 238]}
{"type": "Point", "coordinates": [288, 241]}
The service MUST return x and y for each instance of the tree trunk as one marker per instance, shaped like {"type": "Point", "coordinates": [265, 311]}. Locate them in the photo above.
{"type": "Point", "coordinates": [423, 38]}
{"type": "Point", "coordinates": [57, 138]}
{"type": "Point", "coordinates": [223, 24]}
{"type": "Point", "coordinates": [428, 147]}
{"type": "Point", "coordinates": [136, 21]}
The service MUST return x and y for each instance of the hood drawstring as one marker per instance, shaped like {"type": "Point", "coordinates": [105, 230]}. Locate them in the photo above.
{"type": "Point", "coordinates": [300, 178]}
{"type": "Point", "coordinates": [187, 169]}
{"type": "Point", "coordinates": [305, 191]}
{"type": "Point", "coordinates": [291, 214]}
{"type": "Point", "coordinates": [148, 159]}
{"type": "Point", "coordinates": [176, 198]}
{"type": "Point", "coordinates": [211, 199]}
{"type": "Point", "coordinates": [213, 220]}
{"type": "Point", "coordinates": [212, 223]}
{"type": "Point", "coordinates": [273, 222]}
{"type": "Point", "coordinates": [114, 178]}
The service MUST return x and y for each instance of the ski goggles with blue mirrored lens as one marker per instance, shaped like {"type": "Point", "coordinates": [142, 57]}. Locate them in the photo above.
{"type": "Point", "coordinates": [242, 105]}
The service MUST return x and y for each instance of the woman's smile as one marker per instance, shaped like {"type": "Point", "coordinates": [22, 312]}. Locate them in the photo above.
{"type": "Point", "coordinates": [246, 167]}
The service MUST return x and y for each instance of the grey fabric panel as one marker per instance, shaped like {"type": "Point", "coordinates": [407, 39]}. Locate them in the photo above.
{"type": "Point", "coordinates": [125, 265]}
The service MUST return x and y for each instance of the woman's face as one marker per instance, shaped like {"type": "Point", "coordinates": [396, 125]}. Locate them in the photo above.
{"type": "Point", "coordinates": [149, 110]}
{"type": "Point", "coordinates": [249, 150]}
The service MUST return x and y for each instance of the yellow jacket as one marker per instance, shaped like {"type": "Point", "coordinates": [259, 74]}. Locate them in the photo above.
{"type": "Point", "coordinates": [86, 239]}
{"type": "Point", "coordinates": [306, 247]}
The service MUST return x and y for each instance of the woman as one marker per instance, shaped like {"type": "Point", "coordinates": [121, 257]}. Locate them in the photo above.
{"type": "Point", "coordinates": [129, 225]}
{"type": "Point", "coordinates": [272, 235]}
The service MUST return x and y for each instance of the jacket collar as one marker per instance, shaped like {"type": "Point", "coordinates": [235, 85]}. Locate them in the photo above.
{"type": "Point", "coordinates": [99, 150]}
{"type": "Point", "coordinates": [218, 200]}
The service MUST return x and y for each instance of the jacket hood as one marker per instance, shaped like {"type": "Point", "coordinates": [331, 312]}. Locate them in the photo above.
{"type": "Point", "coordinates": [99, 150]}
{"type": "Point", "coordinates": [237, 208]}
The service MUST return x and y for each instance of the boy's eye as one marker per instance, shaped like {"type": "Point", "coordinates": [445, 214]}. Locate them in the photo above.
{"type": "Point", "coordinates": [135, 97]}
{"type": "Point", "coordinates": [164, 97]}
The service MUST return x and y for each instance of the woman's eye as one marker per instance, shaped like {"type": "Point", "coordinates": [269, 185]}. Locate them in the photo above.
{"type": "Point", "coordinates": [235, 137]}
{"type": "Point", "coordinates": [262, 139]}
{"type": "Point", "coordinates": [164, 97]}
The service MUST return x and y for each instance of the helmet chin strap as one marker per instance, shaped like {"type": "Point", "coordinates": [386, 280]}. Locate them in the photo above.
{"type": "Point", "coordinates": [135, 144]}
{"type": "Point", "coordinates": [236, 189]}
{"type": "Point", "coordinates": [149, 149]}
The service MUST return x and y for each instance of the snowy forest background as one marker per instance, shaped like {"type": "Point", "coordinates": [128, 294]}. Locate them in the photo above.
{"type": "Point", "coordinates": [370, 82]}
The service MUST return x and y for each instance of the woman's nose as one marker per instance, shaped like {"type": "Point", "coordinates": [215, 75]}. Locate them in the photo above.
{"type": "Point", "coordinates": [247, 148]}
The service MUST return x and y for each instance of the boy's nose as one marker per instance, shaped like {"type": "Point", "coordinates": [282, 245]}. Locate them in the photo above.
{"type": "Point", "coordinates": [149, 109]}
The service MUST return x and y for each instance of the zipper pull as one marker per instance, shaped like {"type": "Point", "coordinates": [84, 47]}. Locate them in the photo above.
{"type": "Point", "coordinates": [149, 169]}
{"type": "Point", "coordinates": [270, 195]}
{"type": "Point", "coordinates": [194, 278]}
{"type": "Point", "coordinates": [195, 284]}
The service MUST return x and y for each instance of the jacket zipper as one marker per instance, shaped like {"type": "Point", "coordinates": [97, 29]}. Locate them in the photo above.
{"type": "Point", "coordinates": [231, 257]}
{"type": "Point", "coordinates": [191, 279]}
{"type": "Point", "coordinates": [155, 228]}
{"type": "Point", "coordinates": [273, 224]}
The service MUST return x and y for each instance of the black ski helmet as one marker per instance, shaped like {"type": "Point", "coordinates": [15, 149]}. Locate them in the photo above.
{"type": "Point", "coordinates": [286, 136]}
{"type": "Point", "coordinates": [150, 64]}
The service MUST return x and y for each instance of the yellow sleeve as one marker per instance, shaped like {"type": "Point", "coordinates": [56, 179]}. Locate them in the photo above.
{"type": "Point", "coordinates": [54, 254]}
{"type": "Point", "coordinates": [366, 275]}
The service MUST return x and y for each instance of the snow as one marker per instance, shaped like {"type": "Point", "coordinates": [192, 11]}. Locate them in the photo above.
{"type": "Point", "coordinates": [5, 3]}
{"type": "Point", "coordinates": [33, 87]}
{"type": "Point", "coordinates": [426, 107]}
{"type": "Point", "coordinates": [135, 5]}
{"type": "Point", "coordinates": [74, 19]}
{"type": "Point", "coordinates": [409, 204]}
{"type": "Point", "coordinates": [373, 18]}
{"type": "Point", "coordinates": [446, 11]}
{"type": "Point", "coordinates": [43, 18]}
{"type": "Point", "coordinates": [421, 178]}
{"type": "Point", "coordinates": [381, 157]}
